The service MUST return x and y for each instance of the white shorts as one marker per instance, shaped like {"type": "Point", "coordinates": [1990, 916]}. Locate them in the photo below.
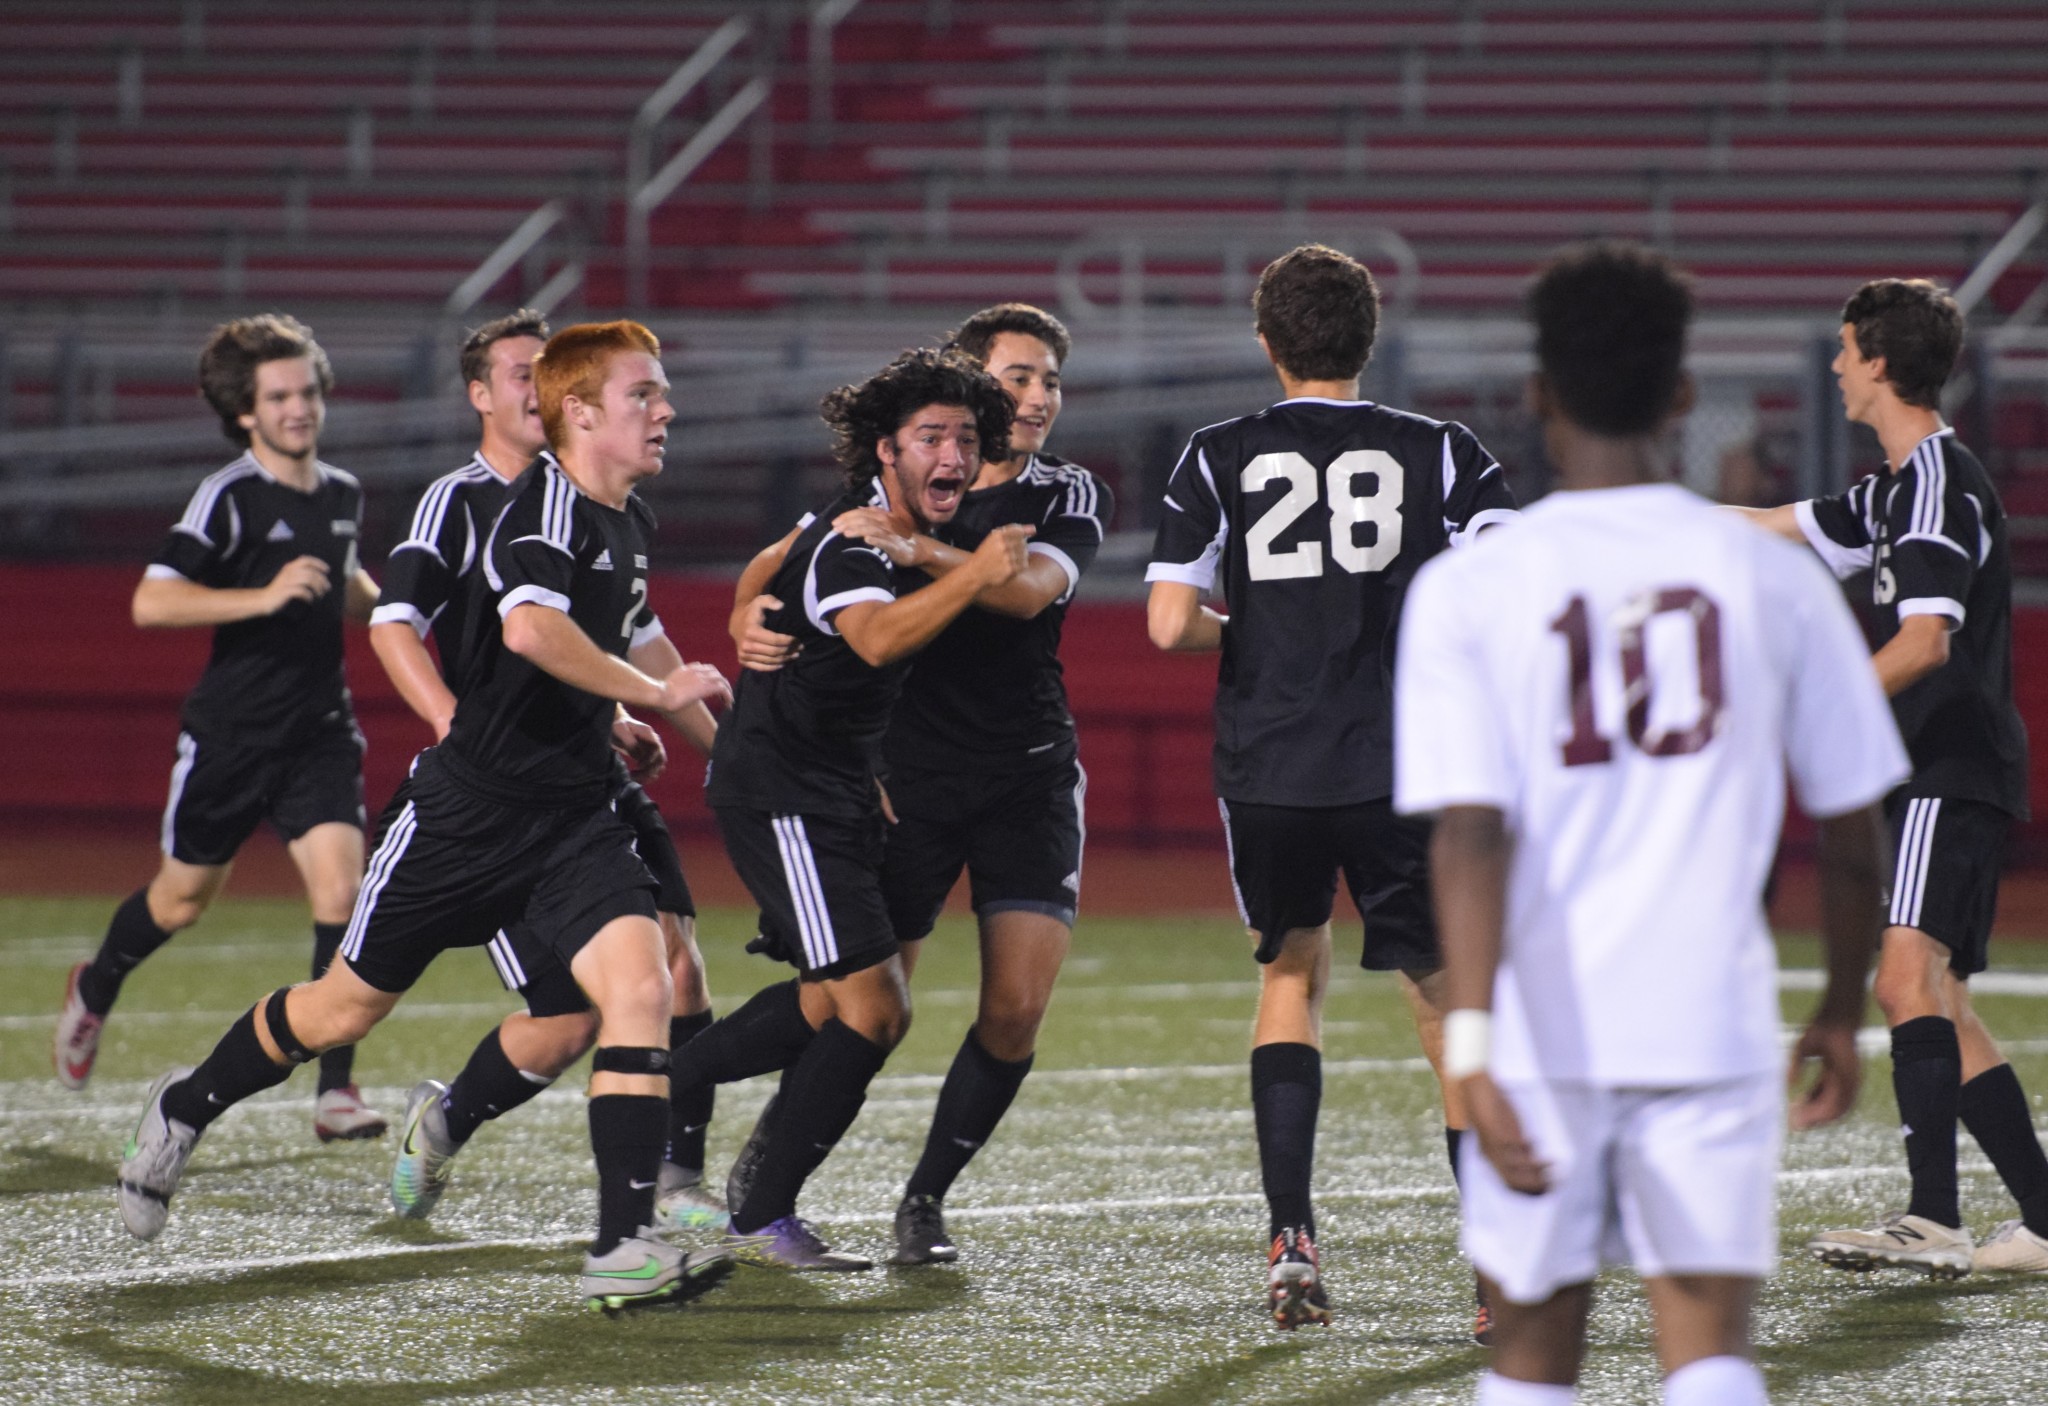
{"type": "Point", "coordinates": [1674, 1181]}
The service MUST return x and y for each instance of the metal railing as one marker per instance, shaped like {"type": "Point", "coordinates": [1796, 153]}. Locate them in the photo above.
{"type": "Point", "coordinates": [646, 199]}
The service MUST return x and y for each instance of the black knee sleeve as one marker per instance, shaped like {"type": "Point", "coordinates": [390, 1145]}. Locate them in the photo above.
{"type": "Point", "coordinates": [629, 1059]}
{"type": "Point", "coordinates": [281, 1028]}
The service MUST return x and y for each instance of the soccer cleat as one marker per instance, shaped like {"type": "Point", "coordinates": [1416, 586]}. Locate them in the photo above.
{"type": "Point", "coordinates": [1294, 1280]}
{"type": "Point", "coordinates": [2012, 1249]}
{"type": "Point", "coordinates": [420, 1174]}
{"type": "Point", "coordinates": [682, 1203]}
{"type": "Point", "coordinates": [1901, 1242]}
{"type": "Point", "coordinates": [740, 1179]}
{"type": "Point", "coordinates": [78, 1035]}
{"type": "Point", "coordinates": [790, 1243]}
{"type": "Point", "coordinates": [921, 1233]}
{"type": "Point", "coordinates": [643, 1271]}
{"type": "Point", "coordinates": [340, 1114]}
{"type": "Point", "coordinates": [153, 1162]}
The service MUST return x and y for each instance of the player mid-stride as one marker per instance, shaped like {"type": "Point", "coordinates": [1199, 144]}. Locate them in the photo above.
{"type": "Point", "coordinates": [1601, 704]}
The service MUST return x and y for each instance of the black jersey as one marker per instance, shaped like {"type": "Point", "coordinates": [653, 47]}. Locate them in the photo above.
{"type": "Point", "coordinates": [987, 694]}
{"type": "Point", "coordinates": [519, 732]}
{"type": "Point", "coordinates": [1933, 536]}
{"type": "Point", "coordinates": [1319, 512]}
{"type": "Point", "coordinates": [430, 575]}
{"type": "Point", "coordinates": [274, 681]}
{"type": "Point", "coordinates": [806, 739]}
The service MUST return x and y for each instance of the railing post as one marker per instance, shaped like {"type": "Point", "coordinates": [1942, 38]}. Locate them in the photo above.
{"type": "Point", "coordinates": [825, 17]}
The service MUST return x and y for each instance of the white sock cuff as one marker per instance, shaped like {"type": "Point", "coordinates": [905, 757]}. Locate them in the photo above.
{"type": "Point", "coordinates": [1496, 1390]}
{"type": "Point", "coordinates": [1716, 1381]}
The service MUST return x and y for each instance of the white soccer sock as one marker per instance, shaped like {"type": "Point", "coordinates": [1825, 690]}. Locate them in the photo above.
{"type": "Point", "coordinates": [1496, 1390]}
{"type": "Point", "coordinates": [1716, 1381]}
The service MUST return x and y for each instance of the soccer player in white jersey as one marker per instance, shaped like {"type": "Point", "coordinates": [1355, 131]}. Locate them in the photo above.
{"type": "Point", "coordinates": [1600, 704]}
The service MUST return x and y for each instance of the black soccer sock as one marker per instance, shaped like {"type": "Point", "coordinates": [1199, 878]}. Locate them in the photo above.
{"type": "Point", "coordinates": [1454, 1138]}
{"type": "Point", "coordinates": [820, 1100]}
{"type": "Point", "coordinates": [237, 1068]}
{"type": "Point", "coordinates": [1927, 1065]}
{"type": "Point", "coordinates": [689, 1102]}
{"type": "Point", "coordinates": [1287, 1093]}
{"type": "Point", "coordinates": [1994, 1108]}
{"type": "Point", "coordinates": [131, 936]}
{"type": "Point", "coordinates": [337, 1066]}
{"type": "Point", "coordinates": [768, 1033]}
{"type": "Point", "coordinates": [627, 1133]}
{"type": "Point", "coordinates": [489, 1086]}
{"type": "Point", "coordinates": [978, 1091]}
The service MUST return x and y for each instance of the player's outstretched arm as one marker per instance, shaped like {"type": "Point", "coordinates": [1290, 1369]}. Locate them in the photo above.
{"type": "Point", "coordinates": [760, 648]}
{"type": "Point", "coordinates": [658, 658]}
{"type": "Point", "coordinates": [555, 643]}
{"type": "Point", "coordinates": [1784, 521]}
{"type": "Point", "coordinates": [882, 634]}
{"type": "Point", "coordinates": [404, 656]}
{"type": "Point", "coordinates": [361, 598]}
{"type": "Point", "coordinates": [1177, 619]}
{"type": "Point", "coordinates": [167, 602]}
{"type": "Point", "coordinates": [1038, 585]}
{"type": "Point", "coordinates": [1852, 867]}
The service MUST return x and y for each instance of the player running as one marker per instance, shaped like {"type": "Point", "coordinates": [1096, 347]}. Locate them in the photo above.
{"type": "Point", "coordinates": [1317, 513]}
{"type": "Point", "coordinates": [1601, 704]}
{"type": "Point", "coordinates": [1932, 532]}
{"type": "Point", "coordinates": [510, 819]}
{"type": "Point", "coordinates": [430, 584]}
{"type": "Point", "coordinates": [266, 556]}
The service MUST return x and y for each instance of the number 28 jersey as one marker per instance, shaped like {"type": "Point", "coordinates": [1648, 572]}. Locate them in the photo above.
{"type": "Point", "coordinates": [1316, 514]}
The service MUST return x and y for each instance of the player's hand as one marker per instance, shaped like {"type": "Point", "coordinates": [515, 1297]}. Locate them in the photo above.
{"type": "Point", "coordinates": [693, 683]}
{"type": "Point", "coordinates": [641, 747]}
{"type": "Point", "coordinates": [1500, 1136]}
{"type": "Point", "coordinates": [1001, 554]}
{"type": "Point", "coordinates": [872, 526]}
{"type": "Point", "coordinates": [301, 578]}
{"type": "Point", "coordinates": [761, 649]}
{"type": "Point", "coordinates": [1833, 1090]}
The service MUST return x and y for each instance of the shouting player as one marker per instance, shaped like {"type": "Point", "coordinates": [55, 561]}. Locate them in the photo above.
{"type": "Point", "coordinates": [1601, 704]}
{"type": "Point", "coordinates": [266, 555]}
{"type": "Point", "coordinates": [510, 820]}
{"type": "Point", "coordinates": [1932, 532]}
{"type": "Point", "coordinates": [1317, 512]}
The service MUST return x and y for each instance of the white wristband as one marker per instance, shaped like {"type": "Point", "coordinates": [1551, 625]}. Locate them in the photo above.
{"type": "Point", "coordinates": [1468, 1043]}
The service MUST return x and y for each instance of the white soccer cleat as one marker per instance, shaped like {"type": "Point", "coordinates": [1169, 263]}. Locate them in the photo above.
{"type": "Point", "coordinates": [1898, 1242]}
{"type": "Point", "coordinates": [154, 1162]}
{"type": "Point", "coordinates": [341, 1115]}
{"type": "Point", "coordinates": [683, 1205]}
{"type": "Point", "coordinates": [78, 1036]}
{"type": "Point", "coordinates": [420, 1173]}
{"type": "Point", "coordinates": [2013, 1249]}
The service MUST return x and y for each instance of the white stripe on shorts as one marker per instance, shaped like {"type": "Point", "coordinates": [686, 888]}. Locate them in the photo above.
{"type": "Point", "coordinates": [188, 751]}
{"type": "Point", "coordinates": [389, 851]}
{"type": "Point", "coordinates": [1916, 854]}
{"type": "Point", "coordinates": [1230, 859]}
{"type": "Point", "coordinates": [800, 872]}
{"type": "Point", "coordinates": [506, 961]}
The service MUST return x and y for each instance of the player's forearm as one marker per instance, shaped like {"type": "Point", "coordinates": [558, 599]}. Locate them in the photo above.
{"type": "Point", "coordinates": [1178, 621]}
{"type": "Point", "coordinates": [1917, 650]}
{"type": "Point", "coordinates": [1021, 597]}
{"type": "Point", "coordinates": [1784, 521]}
{"type": "Point", "coordinates": [363, 595]}
{"type": "Point", "coordinates": [173, 603]}
{"type": "Point", "coordinates": [1468, 857]}
{"type": "Point", "coordinates": [1852, 864]}
{"type": "Point", "coordinates": [754, 580]}
{"type": "Point", "coordinates": [553, 642]}
{"type": "Point", "coordinates": [883, 634]}
{"type": "Point", "coordinates": [658, 658]}
{"type": "Point", "coordinates": [411, 669]}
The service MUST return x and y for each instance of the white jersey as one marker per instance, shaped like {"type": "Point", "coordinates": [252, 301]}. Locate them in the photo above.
{"type": "Point", "coordinates": [1627, 674]}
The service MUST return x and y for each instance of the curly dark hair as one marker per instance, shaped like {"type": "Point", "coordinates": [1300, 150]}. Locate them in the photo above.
{"type": "Point", "coordinates": [1611, 318]}
{"type": "Point", "coordinates": [476, 348]}
{"type": "Point", "coordinates": [1915, 325]}
{"type": "Point", "coordinates": [228, 362]}
{"type": "Point", "coordinates": [862, 416]}
{"type": "Point", "coordinates": [976, 337]}
{"type": "Point", "coordinates": [1319, 310]}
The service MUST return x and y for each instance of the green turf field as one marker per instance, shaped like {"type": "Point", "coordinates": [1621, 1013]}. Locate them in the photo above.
{"type": "Point", "coordinates": [1111, 1234]}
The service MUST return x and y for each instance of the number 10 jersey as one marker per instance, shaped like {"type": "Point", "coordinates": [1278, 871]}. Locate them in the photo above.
{"type": "Point", "coordinates": [1317, 514]}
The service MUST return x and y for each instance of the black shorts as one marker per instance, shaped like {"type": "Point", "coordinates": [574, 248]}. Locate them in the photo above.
{"type": "Point", "coordinates": [220, 792]}
{"type": "Point", "coordinates": [1018, 836]}
{"type": "Point", "coordinates": [657, 850]}
{"type": "Point", "coordinates": [818, 879]}
{"type": "Point", "coordinates": [1945, 875]}
{"type": "Point", "coordinates": [452, 868]}
{"type": "Point", "coordinates": [1284, 862]}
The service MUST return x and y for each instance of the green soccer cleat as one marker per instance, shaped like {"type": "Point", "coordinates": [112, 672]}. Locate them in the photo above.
{"type": "Point", "coordinates": [420, 1173]}
{"type": "Point", "coordinates": [640, 1272]}
{"type": "Point", "coordinates": [683, 1205]}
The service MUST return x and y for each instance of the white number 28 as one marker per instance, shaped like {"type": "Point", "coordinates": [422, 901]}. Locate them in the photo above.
{"type": "Point", "coordinates": [1348, 508]}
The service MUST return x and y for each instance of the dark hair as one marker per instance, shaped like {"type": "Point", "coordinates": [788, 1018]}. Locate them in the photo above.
{"type": "Point", "coordinates": [1915, 325]}
{"type": "Point", "coordinates": [1318, 310]}
{"type": "Point", "coordinates": [476, 348]}
{"type": "Point", "coordinates": [228, 362]}
{"type": "Point", "coordinates": [863, 415]}
{"type": "Point", "coordinates": [976, 337]}
{"type": "Point", "coordinates": [1610, 319]}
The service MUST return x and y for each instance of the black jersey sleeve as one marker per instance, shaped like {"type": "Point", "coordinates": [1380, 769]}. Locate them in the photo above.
{"type": "Point", "coordinates": [207, 535]}
{"type": "Point", "coordinates": [422, 571]}
{"type": "Point", "coordinates": [532, 554]}
{"type": "Point", "coordinates": [1194, 527]}
{"type": "Point", "coordinates": [1843, 529]}
{"type": "Point", "coordinates": [1071, 530]}
{"type": "Point", "coordinates": [844, 571]}
{"type": "Point", "coordinates": [1934, 529]}
{"type": "Point", "coordinates": [1476, 492]}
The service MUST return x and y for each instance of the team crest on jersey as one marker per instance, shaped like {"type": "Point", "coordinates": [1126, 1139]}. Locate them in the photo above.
{"type": "Point", "coordinates": [603, 562]}
{"type": "Point", "coordinates": [639, 562]}
{"type": "Point", "coordinates": [280, 531]}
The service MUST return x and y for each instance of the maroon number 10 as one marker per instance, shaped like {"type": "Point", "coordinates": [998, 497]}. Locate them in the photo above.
{"type": "Point", "coordinates": [1585, 746]}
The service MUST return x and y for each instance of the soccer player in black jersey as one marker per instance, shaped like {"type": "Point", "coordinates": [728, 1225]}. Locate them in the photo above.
{"type": "Point", "coordinates": [511, 818]}
{"type": "Point", "coordinates": [266, 555]}
{"type": "Point", "coordinates": [1932, 533]}
{"type": "Point", "coordinates": [1317, 512]}
{"type": "Point", "coordinates": [431, 576]}
{"type": "Point", "coordinates": [793, 777]}
{"type": "Point", "coordinates": [983, 771]}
